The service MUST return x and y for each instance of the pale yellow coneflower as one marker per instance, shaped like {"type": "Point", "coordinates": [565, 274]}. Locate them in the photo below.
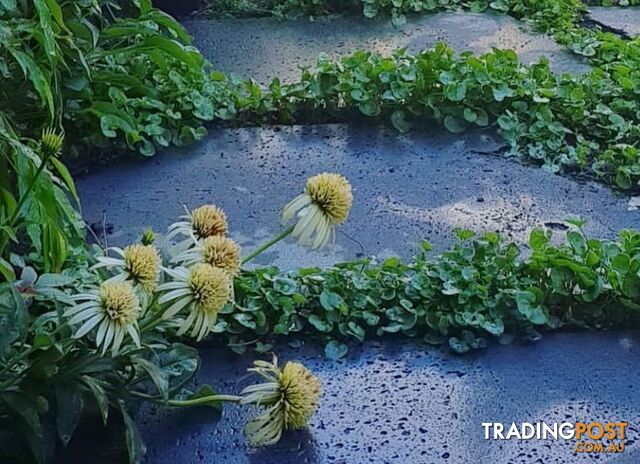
{"type": "Point", "coordinates": [204, 221]}
{"type": "Point", "coordinates": [324, 204]}
{"type": "Point", "coordinates": [290, 396]}
{"type": "Point", "coordinates": [138, 263]}
{"type": "Point", "coordinates": [113, 308]}
{"type": "Point", "coordinates": [201, 291]}
{"type": "Point", "coordinates": [217, 251]}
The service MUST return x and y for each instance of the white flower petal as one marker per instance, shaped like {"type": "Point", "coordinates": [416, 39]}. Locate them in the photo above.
{"type": "Point", "coordinates": [176, 307]}
{"type": "Point", "coordinates": [108, 337]}
{"type": "Point", "coordinates": [79, 307]}
{"type": "Point", "coordinates": [172, 295]}
{"type": "Point", "coordinates": [178, 273]}
{"type": "Point", "coordinates": [105, 261]}
{"type": "Point", "coordinates": [290, 210]}
{"type": "Point", "coordinates": [85, 314]}
{"type": "Point", "coordinates": [187, 323]}
{"type": "Point", "coordinates": [93, 296]}
{"type": "Point", "coordinates": [133, 333]}
{"type": "Point", "coordinates": [102, 330]}
{"type": "Point", "coordinates": [171, 286]}
{"type": "Point", "coordinates": [117, 340]}
{"type": "Point", "coordinates": [305, 221]}
{"type": "Point", "coordinates": [88, 325]}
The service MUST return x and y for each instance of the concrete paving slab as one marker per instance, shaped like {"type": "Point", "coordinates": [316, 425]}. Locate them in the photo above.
{"type": "Point", "coordinates": [397, 402]}
{"type": "Point", "coordinates": [403, 403]}
{"type": "Point", "coordinates": [407, 188]}
{"type": "Point", "coordinates": [264, 48]}
{"type": "Point", "coordinates": [625, 19]}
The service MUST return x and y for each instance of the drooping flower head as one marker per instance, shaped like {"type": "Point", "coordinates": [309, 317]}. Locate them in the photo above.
{"type": "Point", "coordinates": [51, 143]}
{"type": "Point", "coordinates": [201, 292]}
{"type": "Point", "coordinates": [113, 308]}
{"type": "Point", "coordinates": [204, 221]}
{"type": "Point", "coordinates": [138, 263]}
{"type": "Point", "coordinates": [325, 204]}
{"type": "Point", "coordinates": [217, 251]}
{"type": "Point", "coordinates": [290, 397]}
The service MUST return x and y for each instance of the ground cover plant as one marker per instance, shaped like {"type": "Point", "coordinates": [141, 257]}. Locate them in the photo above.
{"type": "Point", "coordinates": [82, 328]}
{"type": "Point", "coordinates": [568, 124]}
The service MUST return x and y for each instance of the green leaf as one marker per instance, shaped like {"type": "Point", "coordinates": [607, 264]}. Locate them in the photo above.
{"type": "Point", "coordinates": [330, 300]}
{"type": "Point", "coordinates": [538, 239]}
{"type": "Point", "coordinates": [135, 445]}
{"type": "Point", "coordinates": [37, 77]}
{"type": "Point", "coordinates": [6, 269]}
{"type": "Point", "coordinates": [69, 406]}
{"type": "Point", "coordinates": [453, 124]}
{"type": "Point", "coordinates": [285, 285]}
{"type": "Point", "coordinates": [43, 341]}
{"type": "Point", "coordinates": [470, 115]}
{"type": "Point", "coordinates": [495, 327]}
{"type": "Point", "coordinates": [623, 179]}
{"type": "Point", "coordinates": [53, 280]}
{"type": "Point", "coordinates": [335, 350]}
{"type": "Point", "coordinates": [178, 364]}
{"type": "Point", "coordinates": [370, 10]}
{"type": "Point", "coordinates": [577, 242]}
{"type": "Point", "coordinates": [99, 395]}
{"type": "Point", "coordinates": [458, 345]}
{"type": "Point", "coordinates": [398, 20]}
{"type": "Point", "coordinates": [399, 122]}
{"type": "Point", "coordinates": [156, 374]}
{"type": "Point", "coordinates": [528, 303]}
{"type": "Point", "coordinates": [8, 5]}
{"type": "Point", "coordinates": [319, 324]}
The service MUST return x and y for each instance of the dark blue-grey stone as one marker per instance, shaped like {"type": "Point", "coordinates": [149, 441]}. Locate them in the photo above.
{"type": "Point", "coordinates": [265, 48]}
{"type": "Point", "coordinates": [625, 19]}
{"type": "Point", "coordinates": [403, 402]}
{"type": "Point", "coordinates": [406, 188]}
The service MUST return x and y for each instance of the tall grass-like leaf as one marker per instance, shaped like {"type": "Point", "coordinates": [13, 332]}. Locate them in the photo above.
{"type": "Point", "coordinates": [66, 177]}
{"type": "Point", "coordinates": [190, 57]}
{"type": "Point", "coordinates": [56, 12]}
{"type": "Point", "coordinates": [46, 35]}
{"type": "Point", "coordinates": [36, 75]}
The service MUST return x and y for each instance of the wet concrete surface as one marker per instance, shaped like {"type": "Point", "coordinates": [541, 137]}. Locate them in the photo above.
{"type": "Point", "coordinates": [625, 19]}
{"type": "Point", "coordinates": [406, 189]}
{"type": "Point", "coordinates": [265, 48]}
{"type": "Point", "coordinates": [402, 402]}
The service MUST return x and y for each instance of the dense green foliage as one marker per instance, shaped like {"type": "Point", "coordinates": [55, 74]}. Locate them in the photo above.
{"type": "Point", "coordinates": [550, 11]}
{"type": "Point", "coordinates": [111, 75]}
{"type": "Point", "coordinates": [147, 88]}
{"type": "Point", "coordinates": [585, 123]}
{"type": "Point", "coordinates": [50, 379]}
{"type": "Point", "coordinates": [35, 190]}
{"type": "Point", "coordinates": [483, 288]}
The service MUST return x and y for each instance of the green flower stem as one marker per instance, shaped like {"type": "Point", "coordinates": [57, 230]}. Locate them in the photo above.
{"type": "Point", "coordinates": [187, 403]}
{"type": "Point", "coordinates": [284, 234]}
{"type": "Point", "coordinates": [205, 400]}
{"type": "Point", "coordinates": [152, 323]}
